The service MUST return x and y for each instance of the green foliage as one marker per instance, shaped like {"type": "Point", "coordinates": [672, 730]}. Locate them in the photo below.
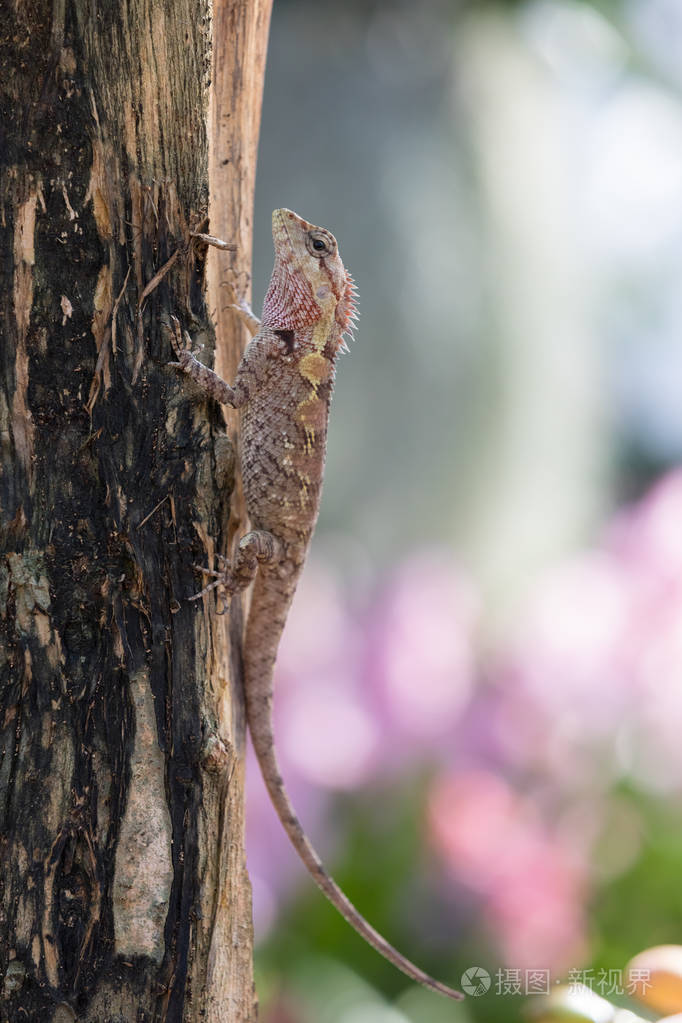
{"type": "Point", "coordinates": [643, 906]}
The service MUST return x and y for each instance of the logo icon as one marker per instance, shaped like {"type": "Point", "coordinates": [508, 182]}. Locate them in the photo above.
{"type": "Point", "coordinates": [475, 981]}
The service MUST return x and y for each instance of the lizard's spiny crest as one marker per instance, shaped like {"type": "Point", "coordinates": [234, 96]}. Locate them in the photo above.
{"type": "Point", "coordinates": [347, 312]}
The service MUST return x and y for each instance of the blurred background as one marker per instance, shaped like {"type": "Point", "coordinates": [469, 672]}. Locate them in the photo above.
{"type": "Point", "coordinates": [479, 696]}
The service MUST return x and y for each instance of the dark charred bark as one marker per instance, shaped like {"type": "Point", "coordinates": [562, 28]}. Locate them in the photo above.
{"type": "Point", "coordinates": [123, 890]}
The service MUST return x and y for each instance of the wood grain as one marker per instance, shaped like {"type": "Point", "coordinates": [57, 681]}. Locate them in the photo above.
{"type": "Point", "coordinates": [123, 889]}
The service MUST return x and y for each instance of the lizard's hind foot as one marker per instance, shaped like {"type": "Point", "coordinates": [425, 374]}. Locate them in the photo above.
{"type": "Point", "coordinates": [221, 580]}
{"type": "Point", "coordinates": [255, 548]}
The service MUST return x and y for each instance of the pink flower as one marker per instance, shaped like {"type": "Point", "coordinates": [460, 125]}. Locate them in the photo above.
{"type": "Point", "coordinates": [648, 538]}
{"type": "Point", "coordinates": [493, 841]}
{"type": "Point", "coordinates": [330, 738]}
{"type": "Point", "coordinates": [536, 916]}
{"type": "Point", "coordinates": [648, 535]}
{"type": "Point", "coordinates": [567, 656]}
{"type": "Point", "coordinates": [421, 653]}
{"type": "Point", "coordinates": [326, 732]}
{"type": "Point", "coordinates": [591, 674]}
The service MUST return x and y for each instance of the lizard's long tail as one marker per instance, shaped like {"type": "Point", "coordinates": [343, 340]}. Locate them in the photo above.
{"type": "Point", "coordinates": [259, 662]}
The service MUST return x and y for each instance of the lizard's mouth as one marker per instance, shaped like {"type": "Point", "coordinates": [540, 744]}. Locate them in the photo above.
{"type": "Point", "coordinates": [280, 225]}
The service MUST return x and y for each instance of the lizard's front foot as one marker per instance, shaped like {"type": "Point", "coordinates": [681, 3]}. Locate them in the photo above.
{"type": "Point", "coordinates": [184, 353]}
{"type": "Point", "coordinates": [208, 382]}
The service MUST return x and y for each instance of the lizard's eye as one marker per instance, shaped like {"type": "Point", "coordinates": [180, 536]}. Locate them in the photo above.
{"type": "Point", "coordinates": [320, 243]}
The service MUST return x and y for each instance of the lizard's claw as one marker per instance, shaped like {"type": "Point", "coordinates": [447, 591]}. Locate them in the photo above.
{"type": "Point", "coordinates": [222, 579]}
{"type": "Point", "coordinates": [237, 284]}
{"type": "Point", "coordinates": [246, 315]}
{"type": "Point", "coordinates": [184, 352]}
{"type": "Point", "coordinates": [175, 335]}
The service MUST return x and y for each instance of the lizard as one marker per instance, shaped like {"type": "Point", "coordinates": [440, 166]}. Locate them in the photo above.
{"type": "Point", "coordinates": [282, 390]}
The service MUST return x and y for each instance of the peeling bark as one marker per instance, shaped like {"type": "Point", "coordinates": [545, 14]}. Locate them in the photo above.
{"type": "Point", "coordinates": [123, 889]}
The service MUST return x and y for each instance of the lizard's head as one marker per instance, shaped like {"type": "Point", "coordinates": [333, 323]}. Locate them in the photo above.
{"type": "Point", "coordinates": [310, 286]}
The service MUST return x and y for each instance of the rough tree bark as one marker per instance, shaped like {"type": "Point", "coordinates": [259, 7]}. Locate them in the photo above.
{"type": "Point", "coordinates": [123, 890]}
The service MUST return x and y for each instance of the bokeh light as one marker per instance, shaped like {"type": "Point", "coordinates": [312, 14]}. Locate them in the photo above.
{"type": "Point", "coordinates": [478, 697]}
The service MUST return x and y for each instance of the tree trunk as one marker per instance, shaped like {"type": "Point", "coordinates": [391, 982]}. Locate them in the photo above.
{"type": "Point", "coordinates": [123, 889]}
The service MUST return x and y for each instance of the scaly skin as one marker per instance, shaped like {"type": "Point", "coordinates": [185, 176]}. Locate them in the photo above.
{"type": "Point", "coordinates": [283, 389]}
